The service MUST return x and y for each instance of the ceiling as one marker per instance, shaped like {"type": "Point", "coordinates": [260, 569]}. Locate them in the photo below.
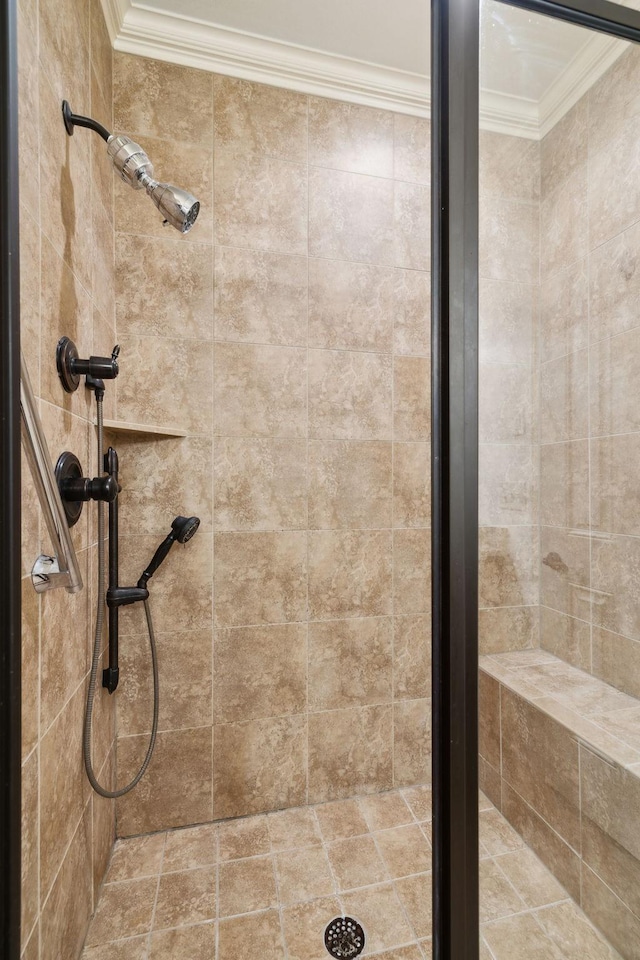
{"type": "Point", "coordinates": [533, 69]}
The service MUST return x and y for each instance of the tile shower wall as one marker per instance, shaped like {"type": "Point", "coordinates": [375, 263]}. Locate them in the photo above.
{"type": "Point", "coordinates": [288, 334]}
{"type": "Point", "coordinates": [67, 283]}
{"type": "Point", "coordinates": [508, 457]}
{"type": "Point", "coordinates": [590, 355]}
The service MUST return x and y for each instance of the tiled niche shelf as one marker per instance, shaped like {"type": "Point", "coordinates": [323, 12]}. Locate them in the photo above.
{"type": "Point", "coordinates": [124, 426]}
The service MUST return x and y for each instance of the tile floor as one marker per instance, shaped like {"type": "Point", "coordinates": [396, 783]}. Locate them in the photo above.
{"type": "Point", "coordinates": [267, 886]}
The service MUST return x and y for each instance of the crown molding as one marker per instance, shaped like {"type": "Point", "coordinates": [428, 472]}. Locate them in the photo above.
{"type": "Point", "coordinates": [137, 29]}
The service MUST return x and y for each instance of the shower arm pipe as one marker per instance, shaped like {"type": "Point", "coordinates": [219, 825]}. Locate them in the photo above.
{"type": "Point", "coordinates": [62, 569]}
{"type": "Point", "coordinates": [72, 120]}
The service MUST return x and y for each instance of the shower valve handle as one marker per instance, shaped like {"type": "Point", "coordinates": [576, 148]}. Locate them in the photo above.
{"type": "Point", "coordinates": [83, 489]}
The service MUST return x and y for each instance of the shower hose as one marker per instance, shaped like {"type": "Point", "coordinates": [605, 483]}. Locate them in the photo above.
{"type": "Point", "coordinates": [97, 652]}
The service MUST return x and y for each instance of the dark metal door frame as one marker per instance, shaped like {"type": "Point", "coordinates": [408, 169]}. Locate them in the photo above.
{"type": "Point", "coordinates": [454, 226]}
{"type": "Point", "coordinates": [10, 559]}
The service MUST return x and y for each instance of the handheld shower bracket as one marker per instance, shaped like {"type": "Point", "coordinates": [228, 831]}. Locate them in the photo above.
{"type": "Point", "coordinates": [70, 367]}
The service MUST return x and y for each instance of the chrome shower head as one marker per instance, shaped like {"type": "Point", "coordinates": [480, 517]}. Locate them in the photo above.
{"type": "Point", "coordinates": [177, 206]}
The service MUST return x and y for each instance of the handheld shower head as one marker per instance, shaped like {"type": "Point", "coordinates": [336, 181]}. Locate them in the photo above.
{"type": "Point", "coordinates": [182, 529]}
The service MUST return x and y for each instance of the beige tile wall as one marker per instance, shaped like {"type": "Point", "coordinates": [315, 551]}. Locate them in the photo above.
{"type": "Point", "coordinates": [590, 357]}
{"type": "Point", "coordinates": [67, 285]}
{"type": "Point", "coordinates": [508, 455]}
{"type": "Point", "coordinates": [288, 333]}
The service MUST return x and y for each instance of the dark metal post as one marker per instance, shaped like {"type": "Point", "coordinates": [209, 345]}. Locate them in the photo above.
{"type": "Point", "coordinates": [454, 99]}
{"type": "Point", "coordinates": [10, 560]}
{"type": "Point", "coordinates": [111, 675]}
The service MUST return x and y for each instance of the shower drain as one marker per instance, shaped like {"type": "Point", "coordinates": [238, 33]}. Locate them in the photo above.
{"type": "Point", "coordinates": [344, 937]}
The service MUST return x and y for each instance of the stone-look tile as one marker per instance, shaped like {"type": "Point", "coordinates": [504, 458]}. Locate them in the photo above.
{"type": "Point", "coordinates": [349, 574]}
{"type": "Point", "coordinates": [64, 50]}
{"type": "Point", "coordinates": [508, 628]}
{"type": "Point", "coordinates": [349, 484]}
{"type": "Point", "coordinates": [64, 916]}
{"type": "Point", "coordinates": [258, 933]}
{"type": "Point", "coordinates": [564, 572]}
{"type": "Point", "coordinates": [414, 894]}
{"type": "Point", "coordinates": [619, 925]}
{"type": "Point", "coordinates": [404, 850]}
{"type": "Point", "coordinates": [183, 393]}
{"type": "Point", "coordinates": [411, 742]}
{"type": "Point", "coordinates": [412, 148]}
{"type": "Point", "coordinates": [166, 111]}
{"type": "Point", "coordinates": [490, 783]}
{"type": "Point", "coordinates": [564, 149]}
{"type": "Point", "coordinates": [155, 301]}
{"type": "Point", "coordinates": [564, 403]}
{"type": "Point", "coordinates": [30, 268]}
{"type": "Point", "coordinates": [349, 137]}
{"type": "Point", "coordinates": [341, 820]}
{"type": "Point", "coordinates": [497, 897]}
{"type": "Point", "coordinates": [385, 811]}
{"type": "Point", "coordinates": [63, 789]}
{"type": "Point", "coordinates": [505, 403]}
{"type": "Point", "coordinates": [188, 164]}
{"type": "Point", "coordinates": [260, 672]}
{"type": "Point", "coordinates": [613, 204]}
{"type": "Point", "coordinates": [351, 217]}
{"type": "Point", "coordinates": [260, 391]}
{"type": "Point", "coordinates": [508, 566]}
{"type": "Point", "coordinates": [508, 240]}
{"type": "Point", "coordinates": [261, 202]}
{"type": "Point", "coordinates": [612, 863]}
{"type": "Point", "coordinates": [614, 285]}
{"type": "Point", "coordinates": [183, 589]}
{"type": "Point", "coordinates": [489, 695]}
{"type": "Point", "coordinates": [304, 924]}
{"type": "Point", "coordinates": [615, 503]}
{"type": "Point", "coordinates": [136, 857]}
{"type": "Point", "coordinates": [134, 948]}
{"type": "Point", "coordinates": [30, 903]}
{"type": "Point", "coordinates": [28, 115]}
{"type": "Point", "coordinates": [569, 929]}
{"type": "Point", "coordinates": [622, 724]}
{"type": "Point", "coordinates": [616, 606]}
{"type": "Point", "coordinates": [613, 99]}
{"type": "Point", "coordinates": [260, 765]}
{"type": "Point", "coordinates": [419, 799]}
{"type": "Point", "coordinates": [260, 484]}
{"type": "Point", "coordinates": [65, 431]}
{"type": "Point", "coordinates": [412, 241]}
{"type": "Point", "coordinates": [534, 883]}
{"type": "Point", "coordinates": [243, 838]}
{"type": "Point", "coordinates": [616, 660]}
{"type": "Point", "coordinates": [293, 828]}
{"type": "Point", "coordinates": [411, 399]}
{"type": "Point", "coordinates": [260, 578]}
{"type": "Point", "coordinates": [190, 848]}
{"type": "Point", "coordinates": [30, 609]}
{"type": "Point", "coordinates": [611, 800]}
{"type": "Point", "coordinates": [509, 167]}
{"type": "Point", "coordinates": [185, 897]}
{"type": "Point", "coordinates": [356, 863]}
{"type": "Point", "coordinates": [614, 364]}
{"type": "Point", "coordinates": [185, 671]}
{"type": "Point", "coordinates": [519, 938]}
{"type": "Point", "coordinates": [351, 305]}
{"type": "Point", "coordinates": [566, 637]}
{"type": "Point", "coordinates": [564, 222]}
{"type": "Point", "coordinates": [260, 297]}
{"type": "Point", "coordinates": [350, 663]}
{"type": "Point", "coordinates": [125, 908]}
{"type": "Point", "coordinates": [411, 571]}
{"type": "Point", "coordinates": [411, 657]}
{"type": "Point", "coordinates": [505, 321]}
{"type": "Point", "coordinates": [176, 790]}
{"type": "Point", "coordinates": [303, 875]}
{"type": "Point", "coordinates": [349, 395]}
{"type": "Point", "coordinates": [103, 266]}
{"type": "Point", "coordinates": [564, 311]}
{"type": "Point", "coordinates": [564, 484]}
{"type": "Point", "coordinates": [246, 886]}
{"type": "Point", "coordinates": [557, 855]}
{"type": "Point", "coordinates": [507, 483]}
{"type": "Point", "coordinates": [350, 752]}
{"type": "Point", "coordinates": [540, 762]}
{"type": "Point", "coordinates": [412, 327]}
{"type": "Point", "coordinates": [191, 943]}
{"type": "Point", "coordinates": [380, 913]}
{"type": "Point", "coordinates": [101, 169]}
{"type": "Point", "coordinates": [260, 120]}
{"type": "Point", "coordinates": [161, 477]}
